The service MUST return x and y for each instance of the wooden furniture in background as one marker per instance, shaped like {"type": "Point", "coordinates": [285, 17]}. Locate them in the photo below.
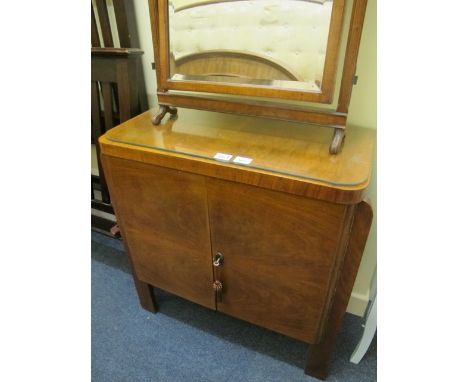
{"type": "Point", "coordinates": [117, 89]}
{"type": "Point", "coordinates": [276, 242]}
{"type": "Point", "coordinates": [334, 118]}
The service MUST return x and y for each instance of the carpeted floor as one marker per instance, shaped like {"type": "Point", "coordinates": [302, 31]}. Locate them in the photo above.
{"type": "Point", "coordinates": [186, 342]}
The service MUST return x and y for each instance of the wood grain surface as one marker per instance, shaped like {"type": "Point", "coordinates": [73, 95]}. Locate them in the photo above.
{"type": "Point", "coordinates": [287, 156]}
{"type": "Point", "coordinates": [280, 255]}
{"type": "Point", "coordinates": [352, 50]}
{"type": "Point", "coordinates": [255, 108]}
{"type": "Point", "coordinates": [319, 355]}
{"type": "Point", "coordinates": [163, 216]}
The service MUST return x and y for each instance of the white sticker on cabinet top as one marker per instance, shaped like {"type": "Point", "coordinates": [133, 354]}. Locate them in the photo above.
{"type": "Point", "coordinates": [242, 160]}
{"type": "Point", "coordinates": [223, 157]}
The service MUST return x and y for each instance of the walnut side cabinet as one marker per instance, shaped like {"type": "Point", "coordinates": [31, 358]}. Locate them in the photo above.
{"type": "Point", "coordinates": [290, 245]}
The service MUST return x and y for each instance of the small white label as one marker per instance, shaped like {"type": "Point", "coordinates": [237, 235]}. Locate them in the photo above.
{"type": "Point", "coordinates": [242, 160]}
{"type": "Point", "coordinates": [223, 157]}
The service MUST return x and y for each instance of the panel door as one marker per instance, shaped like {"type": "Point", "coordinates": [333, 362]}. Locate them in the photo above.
{"type": "Point", "coordinates": [163, 215]}
{"type": "Point", "coordinates": [281, 254]}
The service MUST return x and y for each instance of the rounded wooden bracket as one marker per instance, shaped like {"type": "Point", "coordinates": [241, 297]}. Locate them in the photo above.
{"type": "Point", "coordinates": [163, 110]}
{"type": "Point", "coordinates": [337, 141]}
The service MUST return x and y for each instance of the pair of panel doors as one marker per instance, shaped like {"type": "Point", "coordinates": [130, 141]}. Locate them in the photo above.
{"type": "Point", "coordinates": [280, 250]}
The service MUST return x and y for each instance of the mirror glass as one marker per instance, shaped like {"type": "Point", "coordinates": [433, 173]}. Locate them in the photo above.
{"type": "Point", "coordinates": [278, 43]}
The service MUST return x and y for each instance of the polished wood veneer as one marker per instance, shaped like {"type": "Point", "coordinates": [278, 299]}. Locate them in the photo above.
{"type": "Point", "coordinates": [163, 213]}
{"type": "Point", "coordinates": [280, 252]}
{"type": "Point", "coordinates": [285, 147]}
{"type": "Point", "coordinates": [290, 244]}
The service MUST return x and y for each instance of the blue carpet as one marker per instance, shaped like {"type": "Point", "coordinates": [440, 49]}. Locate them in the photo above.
{"type": "Point", "coordinates": [186, 342]}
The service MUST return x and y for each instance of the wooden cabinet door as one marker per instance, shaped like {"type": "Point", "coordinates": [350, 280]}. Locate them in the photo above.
{"type": "Point", "coordinates": [281, 255]}
{"type": "Point", "coordinates": [164, 219]}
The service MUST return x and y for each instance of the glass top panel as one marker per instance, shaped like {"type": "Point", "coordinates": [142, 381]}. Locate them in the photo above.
{"type": "Point", "coordinates": [278, 43]}
{"type": "Point", "coordinates": [289, 148]}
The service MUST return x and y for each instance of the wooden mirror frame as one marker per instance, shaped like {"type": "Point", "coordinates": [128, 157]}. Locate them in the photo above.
{"type": "Point", "coordinates": [168, 100]}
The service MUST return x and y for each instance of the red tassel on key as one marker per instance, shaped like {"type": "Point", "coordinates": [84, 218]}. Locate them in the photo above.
{"type": "Point", "coordinates": [218, 288]}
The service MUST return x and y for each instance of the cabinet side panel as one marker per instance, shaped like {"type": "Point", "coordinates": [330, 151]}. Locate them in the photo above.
{"type": "Point", "coordinates": [280, 256]}
{"type": "Point", "coordinates": [319, 355]}
{"type": "Point", "coordinates": [163, 214]}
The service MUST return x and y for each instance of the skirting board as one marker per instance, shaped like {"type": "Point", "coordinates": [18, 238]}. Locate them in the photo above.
{"type": "Point", "coordinates": [358, 303]}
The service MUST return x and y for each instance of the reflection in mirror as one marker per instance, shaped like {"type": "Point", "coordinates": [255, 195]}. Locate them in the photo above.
{"type": "Point", "coordinates": [278, 43]}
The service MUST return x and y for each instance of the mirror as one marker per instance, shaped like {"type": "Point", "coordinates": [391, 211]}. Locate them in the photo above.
{"type": "Point", "coordinates": [274, 43]}
{"type": "Point", "coordinates": [210, 54]}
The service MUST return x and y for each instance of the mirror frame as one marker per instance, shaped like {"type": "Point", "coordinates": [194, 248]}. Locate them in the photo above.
{"type": "Point", "coordinates": [168, 100]}
{"type": "Point", "coordinates": [329, 71]}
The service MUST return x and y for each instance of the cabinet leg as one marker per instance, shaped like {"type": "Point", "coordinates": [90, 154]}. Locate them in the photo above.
{"type": "Point", "coordinates": [319, 355]}
{"type": "Point", "coordinates": [144, 290]}
{"type": "Point", "coordinates": [145, 295]}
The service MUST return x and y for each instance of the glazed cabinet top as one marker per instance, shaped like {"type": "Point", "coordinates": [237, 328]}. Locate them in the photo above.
{"type": "Point", "coordinates": [283, 156]}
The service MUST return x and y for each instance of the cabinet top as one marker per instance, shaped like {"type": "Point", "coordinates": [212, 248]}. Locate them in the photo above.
{"type": "Point", "coordinates": [285, 156]}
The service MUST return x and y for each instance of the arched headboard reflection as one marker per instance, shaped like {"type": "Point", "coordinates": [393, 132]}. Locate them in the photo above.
{"type": "Point", "coordinates": [233, 64]}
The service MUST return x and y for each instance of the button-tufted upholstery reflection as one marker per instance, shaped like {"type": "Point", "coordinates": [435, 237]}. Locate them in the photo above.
{"type": "Point", "coordinates": [291, 33]}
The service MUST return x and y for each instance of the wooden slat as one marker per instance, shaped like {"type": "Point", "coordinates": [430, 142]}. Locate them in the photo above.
{"type": "Point", "coordinates": [127, 87]}
{"type": "Point", "coordinates": [115, 103]}
{"type": "Point", "coordinates": [102, 207]}
{"type": "Point", "coordinates": [94, 179]}
{"type": "Point", "coordinates": [101, 225]}
{"type": "Point", "coordinates": [124, 93]}
{"type": "Point", "coordinates": [103, 69]}
{"type": "Point", "coordinates": [95, 112]}
{"type": "Point", "coordinates": [122, 52]}
{"type": "Point", "coordinates": [132, 23]}
{"type": "Point", "coordinates": [96, 131]}
{"type": "Point", "coordinates": [94, 31]}
{"type": "Point", "coordinates": [105, 23]}
{"type": "Point", "coordinates": [107, 105]}
{"type": "Point", "coordinates": [142, 96]}
{"type": "Point", "coordinates": [352, 50]}
{"type": "Point", "coordinates": [134, 42]}
{"type": "Point", "coordinates": [122, 24]}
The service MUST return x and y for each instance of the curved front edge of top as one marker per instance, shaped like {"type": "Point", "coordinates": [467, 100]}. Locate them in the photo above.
{"type": "Point", "coordinates": [285, 156]}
